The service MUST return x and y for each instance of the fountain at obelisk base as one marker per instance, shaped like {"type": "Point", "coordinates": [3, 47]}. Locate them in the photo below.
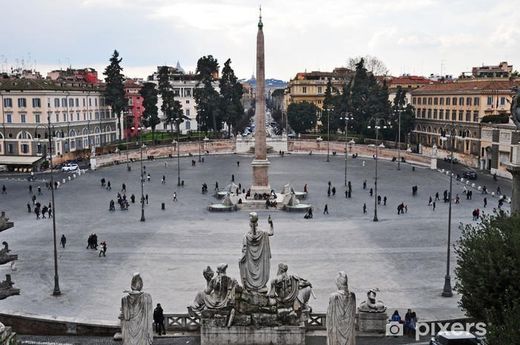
{"type": "Point", "coordinates": [261, 195]}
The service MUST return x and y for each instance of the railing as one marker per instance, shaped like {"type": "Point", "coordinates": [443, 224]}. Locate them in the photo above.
{"type": "Point", "coordinates": [185, 322]}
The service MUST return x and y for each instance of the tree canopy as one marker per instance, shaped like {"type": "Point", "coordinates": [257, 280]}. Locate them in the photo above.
{"type": "Point", "coordinates": [115, 88]}
{"type": "Point", "coordinates": [150, 114]}
{"type": "Point", "coordinates": [302, 116]}
{"type": "Point", "coordinates": [206, 97]}
{"type": "Point", "coordinates": [171, 108]}
{"type": "Point", "coordinates": [230, 97]}
{"type": "Point", "coordinates": [488, 275]}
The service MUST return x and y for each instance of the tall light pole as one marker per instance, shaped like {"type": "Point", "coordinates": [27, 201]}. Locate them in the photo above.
{"type": "Point", "coordinates": [328, 134]}
{"type": "Point", "coordinates": [377, 126]}
{"type": "Point", "coordinates": [447, 290]}
{"type": "Point", "coordinates": [399, 110]}
{"type": "Point", "coordinates": [178, 155]}
{"type": "Point", "coordinates": [198, 134]}
{"type": "Point", "coordinates": [141, 146]}
{"type": "Point", "coordinates": [346, 118]}
{"type": "Point", "coordinates": [56, 291]}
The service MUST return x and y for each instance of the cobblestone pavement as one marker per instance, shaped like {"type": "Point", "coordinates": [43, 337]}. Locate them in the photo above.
{"type": "Point", "coordinates": [404, 256]}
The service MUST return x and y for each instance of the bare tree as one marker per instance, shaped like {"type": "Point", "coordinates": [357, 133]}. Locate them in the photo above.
{"type": "Point", "coordinates": [372, 64]}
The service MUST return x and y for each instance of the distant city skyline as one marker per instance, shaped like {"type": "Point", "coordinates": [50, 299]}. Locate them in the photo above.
{"type": "Point", "coordinates": [417, 37]}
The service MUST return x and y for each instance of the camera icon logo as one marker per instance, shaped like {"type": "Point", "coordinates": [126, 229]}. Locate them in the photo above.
{"type": "Point", "coordinates": [394, 329]}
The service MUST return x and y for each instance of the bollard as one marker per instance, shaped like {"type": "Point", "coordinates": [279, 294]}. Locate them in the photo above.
{"type": "Point", "coordinates": [163, 206]}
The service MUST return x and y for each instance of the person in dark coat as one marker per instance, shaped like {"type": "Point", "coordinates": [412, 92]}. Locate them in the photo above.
{"type": "Point", "coordinates": [158, 319]}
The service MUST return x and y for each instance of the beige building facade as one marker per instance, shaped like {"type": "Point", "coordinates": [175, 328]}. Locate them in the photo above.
{"type": "Point", "coordinates": [79, 118]}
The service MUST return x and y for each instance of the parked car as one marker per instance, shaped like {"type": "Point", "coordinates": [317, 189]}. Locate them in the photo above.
{"type": "Point", "coordinates": [469, 174]}
{"type": "Point", "coordinates": [455, 338]}
{"type": "Point", "coordinates": [448, 159]}
{"type": "Point", "coordinates": [69, 167]}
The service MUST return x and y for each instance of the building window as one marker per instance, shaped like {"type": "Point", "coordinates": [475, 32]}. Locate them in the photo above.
{"type": "Point", "coordinates": [64, 102]}
{"type": "Point", "coordinates": [468, 101]}
{"type": "Point", "coordinates": [419, 100]}
{"type": "Point", "coordinates": [71, 102]}
{"type": "Point", "coordinates": [188, 125]}
{"type": "Point", "coordinates": [461, 100]}
{"type": "Point", "coordinates": [319, 89]}
{"type": "Point", "coordinates": [187, 101]}
{"type": "Point", "coordinates": [89, 102]}
{"type": "Point", "coordinates": [48, 102]}
{"type": "Point", "coordinates": [490, 100]}
{"type": "Point", "coordinates": [461, 115]}
{"type": "Point", "coordinates": [453, 115]}
{"type": "Point", "coordinates": [37, 118]}
{"type": "Point", "coordinates": [25, 148]}
{"type": "Point", "coordinates": [441, 114]}
{"type": "Point", "coordinates": [102, 102]}
{"type": "Point", "coordinates": [429, 101]}
{"type": "Point", "coordinates": [8, 102]}
{"type": "Point", "coordinates": [475, 116]}
{"type": "Point", "coordinates": [441, 101]}
{"type": "Point", "coordinates": [502, 101]}
{"type": "Point", "coordinates": [424, 101]}
{"type": "Point", "coordinates": [57, 117]}
{"type": "Point", "coordinates": [454, 101]}
{"type": "Point", "coordinates": [37, 103]}
{"type": "Point", "coordinates": [56, 102]}
{"type": "Point", "coordinates": [414, 100]}
{"type": "Point", "coordinates": [95, 102]}
{"type": "Point", "coordinates": [23, 118]}
{"type": "Point", "coordinates": [77, 102]}
{"type": "Point", "coordinates": [429, 113]}
{"type": "Point", "coordinates": [84, 102]}
{"type": "Point", "coordinates": [9, 118]}
{"type": "Point", "coordinates": [10, 148]}
{"type": "Point", "coordinates": [424, 113]}
{"type": "Point", "coordinates": [22, 103]}
{"type": "Point", "coordinates": [448, 101]}
{"type": "Point", "coordinates": [468, 116]}
{"type": "Point", "coordinates": [187, 112]}
{"type": "Point", "coordinates": [435, 101]}
{"type": "Point", "coordinates": [304, 89]}
{"type": "Point", "coordinates": [435, 114]}
{"type": "Point", "coordinates": [187, 92]}
{"type": "Point", "coordinates": [476, 101]}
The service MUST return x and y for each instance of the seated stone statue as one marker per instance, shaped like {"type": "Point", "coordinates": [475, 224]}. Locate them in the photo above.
{"type": "Point", "coordinates": [290, 293]}
{"type": "Point", "coordinates": [199, 304]}
{"type": "Point", "coordinates": [220, 291]}
{"type": "Point", "coordinates": [371, 305]}
{"type": "Point", "coordinates": [7, 289]}
{"type": "Point", "coordinates": [4, 250]}
{"type": "Point", "coordinates": [4, 222]}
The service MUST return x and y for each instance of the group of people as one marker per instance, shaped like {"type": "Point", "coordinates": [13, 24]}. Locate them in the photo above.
{"type": "Point", "coordinates": [92, 243]}
{"type": "Point", "coordinates": [409, 322]}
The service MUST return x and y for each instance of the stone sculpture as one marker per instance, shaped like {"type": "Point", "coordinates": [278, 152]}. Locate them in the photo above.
{"type": "Point", "coordinates": [371, 305]}
{"type": "Point", "coordinates": [290, 293]}
{"type": "Point", "coordinates": [199, 303]}
{"type": "Point", "coordinates": [341, 314]}
{"type": "Point", "coordinates": [6, 288]}
{"type": "Point", "coordinates": [220, 291]}
{"type": "Point", "coordinates": [4, 222]}
{"type": "Point", "coordinates": [256, 256]}
{"type": "Point", "coordinates": [136, 315]}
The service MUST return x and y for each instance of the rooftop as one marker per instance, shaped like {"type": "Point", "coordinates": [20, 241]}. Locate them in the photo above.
{"type": "Point", "coordinates": [21, 84]}
{"type": "Point", "coordinates": [470, 85]}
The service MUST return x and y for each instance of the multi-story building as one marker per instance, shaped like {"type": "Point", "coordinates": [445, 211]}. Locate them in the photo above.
{"type": "Point", "coordinates": [183, 86]}
{"type": "Point", "coordinates": [407, 83]}
{"type": "Point", "coordinates": [496, 143]}
{"type": "Point", "coordinates": [78, 115]}
{"type": "Point", "coordinates": [462, 103]}
{"type": "Point", "coordinates": [502, 70]}
{"type": "Point", "coordinates": [83, 75]}
{"type": "Point", "coordinates": [310, 86]}
{"type": "Point", "coordinates": [135, 107]}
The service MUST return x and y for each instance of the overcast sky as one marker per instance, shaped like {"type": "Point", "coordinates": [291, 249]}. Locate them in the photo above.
{"type": "Point", "coordinates": [409, 36]}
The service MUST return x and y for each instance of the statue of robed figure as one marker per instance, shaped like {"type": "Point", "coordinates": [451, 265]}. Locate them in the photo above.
{"type": "Point", "coordinates": [256, 255]}
{"type": "Point", "coordinates": [136, 315]}
{"type": "Point", "coordinates": [341, 314]}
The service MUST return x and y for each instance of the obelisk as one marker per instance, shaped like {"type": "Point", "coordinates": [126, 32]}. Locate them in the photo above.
{"type": "Point", "coordinates": [260, 163]}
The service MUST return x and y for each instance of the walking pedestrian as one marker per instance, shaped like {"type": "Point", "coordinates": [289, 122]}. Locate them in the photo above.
{"type": "Point", "coordinates": [232, 177]}
{"type": "Point", "coordinates": [146, 197]}
{"type": "Point", "coordinates": [29, 207]}
{"type": "Point", "coordinates": [430, 201]}
{"type": "Point", "coordinates": [384, 201]}
{"type": "Point", "coordinates": [44, 211]}
{"type": "Point", "coordinates": [371, 192]}
{"type": "Point", "coordinates": [437, 196]}
{"type": "Point", "coordinates": [364, 208]}
{"type": "Point", "coordinates": [148, 177]}
{"type": "Point", "coordinates": [123, 188]}
{"type": "Point", "coordinates": [109, 186]}
{"type": "Point", "coordinates": [238, 164]}
{"type": "Point", "coordinates": [163, 180]}
{"type": "Point", "coordinates": [103, 250]}
{"type": "Point", "coordinates": [485, 202]}
{"type": "Point", "coordinates": [4, 189]}
{"type": "Point", "coordinates": [326, 209]}
{"type": "Point", "coordinates": [37, 212]}
{"type": "Point", "coordinates": [434, 204]}
{"type": "Point", "coordinates": [49, 210]}
{"type": "Point", "coordinates": [132, 198]}
{"type": "Point", "coordinates": [328, 192]}
{"type": "Point", "coordinates": [175, 196]}
{"type": "Point", "coordinates": [33, 199]}
{"type": "Point", "coordinates": [216, 186]}
{"type": "Point", "coordinates": [333, 191]}
{"type": "Point", "coordinates": [30, 188]}
{"type": "Point", "coordinates": [365, 184]}
{"type": "Point", "coordinates": [158, 319]}
{"type": "Point", "coordinates": [379, 199]}
{"type": "Point", "coordinates": [63, 240]}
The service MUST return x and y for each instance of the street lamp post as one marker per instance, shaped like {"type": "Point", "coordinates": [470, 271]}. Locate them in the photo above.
{"type": "Point", "coordinates": [328, 134]}
{"type": "Point", "coordinates": [347, 117]}
{"type": "Point", "coordinates": [399, 140]}
{"type": "Point", "coordinates": [447, 290]}
{"type": "Point", "coordinates": [141, 146]}
{"type": "Point", "coordinates": [198, 134]}
{"type": "Point", "coordinates": [178, 156]}
{"type": "Point", "coordinates": [376, 127]}
{"type": "Point", "coordinates": [56, 291]}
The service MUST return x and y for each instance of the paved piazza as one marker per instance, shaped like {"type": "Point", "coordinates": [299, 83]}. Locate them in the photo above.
{"type": "Point", "coordinates": [404, 256]}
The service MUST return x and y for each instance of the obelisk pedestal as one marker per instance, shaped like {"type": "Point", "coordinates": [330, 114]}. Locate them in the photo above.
{"type": "Point", "coordinates": [260, 164]}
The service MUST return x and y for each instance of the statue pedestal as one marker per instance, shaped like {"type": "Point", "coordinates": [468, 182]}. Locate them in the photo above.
{"type": "Point", "coordinates": [251, 335]}
{"type": "Point", "coordinates": [372, 323]}
{"type": "Point", "coordinates": [260, 177]}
